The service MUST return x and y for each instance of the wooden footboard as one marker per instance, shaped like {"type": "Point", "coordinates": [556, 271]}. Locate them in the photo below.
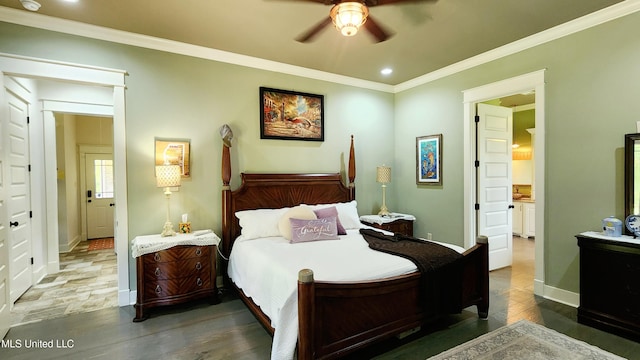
{"type": "Point", "coordinates": [475, 277]}
{"type": "Point", "coordinates": [338, 318]}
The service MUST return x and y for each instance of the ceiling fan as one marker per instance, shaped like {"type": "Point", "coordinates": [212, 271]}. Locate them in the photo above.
{"type": "Point", "coordinates": [349, 16]}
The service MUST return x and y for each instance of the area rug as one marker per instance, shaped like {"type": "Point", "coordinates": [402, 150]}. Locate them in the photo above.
{"type": "Point", "coordinates": [524, 340]}
{"type": "Point", "coordinates": [100, 244]}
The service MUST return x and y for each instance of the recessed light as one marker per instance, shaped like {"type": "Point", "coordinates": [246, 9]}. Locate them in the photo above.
{"type": "Point", "coordinates": [30, 5]}
{"type": "Point", "coordinates": [386, 71]}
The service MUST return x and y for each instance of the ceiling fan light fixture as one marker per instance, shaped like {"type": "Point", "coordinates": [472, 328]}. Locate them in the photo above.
{"type": "Point", "coordinates": [349, 16]}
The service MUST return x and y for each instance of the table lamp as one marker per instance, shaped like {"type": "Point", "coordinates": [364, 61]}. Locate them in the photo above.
{"type": "Point", "coordinates": [383, 176]}
{"type": "Point", "coordinates": [168, 176]}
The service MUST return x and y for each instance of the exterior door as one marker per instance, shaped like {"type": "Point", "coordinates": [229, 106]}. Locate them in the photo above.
{"type": "Point", "coordinates": [18, 199]}
{"type": "Point", "coordinates": [495, 131]}
{"type": "Point", "coordinates": [100, 195]}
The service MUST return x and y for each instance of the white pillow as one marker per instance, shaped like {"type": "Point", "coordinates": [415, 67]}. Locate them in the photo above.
{"type": "Point", "coordinates": [260, 223]}
{"type": "Point", "coordinates": [299, 212]}
{"type": "Point", "coordinates": [347, 213]}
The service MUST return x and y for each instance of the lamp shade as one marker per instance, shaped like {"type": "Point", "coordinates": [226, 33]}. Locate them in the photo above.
{"type": "Point", "coordinates": [168, 175]}
{"type": "Point", "coordinates": [383, 174]}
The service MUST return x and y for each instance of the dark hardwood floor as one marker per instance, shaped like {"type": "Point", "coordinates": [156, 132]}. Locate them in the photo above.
{"type": "Point", "coordinates": [229, 331]}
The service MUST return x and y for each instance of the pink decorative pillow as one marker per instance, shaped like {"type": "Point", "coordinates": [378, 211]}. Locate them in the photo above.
{"type": "Point", "coordinates": [313, 230]}
{"type": "Point", "coordinates": [331, 212]}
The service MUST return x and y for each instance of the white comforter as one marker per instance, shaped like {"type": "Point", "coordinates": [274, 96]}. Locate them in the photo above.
{"type": "Point", "coordinates": [266, 269]}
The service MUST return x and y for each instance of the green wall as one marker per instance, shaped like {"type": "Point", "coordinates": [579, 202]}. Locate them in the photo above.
{"type": "Point", "coordinates": [523, 120]}
{"type": "Point", "coordinates": [175, 96]}
{"type": "Point", "coordinates": [591, 102]}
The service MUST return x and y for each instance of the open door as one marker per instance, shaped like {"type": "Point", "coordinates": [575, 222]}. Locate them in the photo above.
{"type": "Point", "coordinates": [495, 131]}
{"type": "Point", "coordinates": [16, 153]}
{"type": "Point", "coordinates": [5, 304]}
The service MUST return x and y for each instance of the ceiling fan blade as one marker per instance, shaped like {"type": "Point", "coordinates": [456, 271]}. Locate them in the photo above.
{"type": "Point", "coordinates": [311, 33]}
{"type": "Point", "coordinates": [326, 2]}
{"type": "Point", "coordinates": [376, 30]}
{"type": "Point", "coordinates": [387, 2]}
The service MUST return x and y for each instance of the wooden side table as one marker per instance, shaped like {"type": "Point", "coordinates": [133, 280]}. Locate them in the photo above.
{"type": "Point", "coordinates": [174, 270]}
{"type": "Point", "coordinates": [395, 223]}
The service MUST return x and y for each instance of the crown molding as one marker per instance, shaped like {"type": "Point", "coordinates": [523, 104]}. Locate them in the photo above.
{"type": "Point", "coordinates": [596, 18]}
{"type": "Point", "coordinates": [525, 107]}
{"type": "Point", "coordinates": [45, 22]}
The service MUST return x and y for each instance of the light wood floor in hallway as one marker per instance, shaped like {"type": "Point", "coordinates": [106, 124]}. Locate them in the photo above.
{"type": "Point", "coordinates": [229, 331]}
{"type": "Point", "coordinates": [87, 281]}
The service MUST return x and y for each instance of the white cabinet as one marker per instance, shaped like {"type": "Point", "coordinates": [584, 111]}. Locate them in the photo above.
{"type": "Point", "coordinates": [529, 219]}
{"type": "Point", "coordinates": [517, 218]}
{"type": "Point", "coordinates": [524, 218]}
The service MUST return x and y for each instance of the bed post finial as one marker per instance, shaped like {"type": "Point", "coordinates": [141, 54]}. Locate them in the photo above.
{"type": "Point", "coordinates": [306, 311]}
{"type": "Point", "coordinates": [227, 136]}
{"type": "Point", "coordinates": [352, 165]}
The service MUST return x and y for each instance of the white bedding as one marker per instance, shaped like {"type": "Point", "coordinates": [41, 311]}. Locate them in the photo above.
{"type": "Point", "coordinates": [266, 269]}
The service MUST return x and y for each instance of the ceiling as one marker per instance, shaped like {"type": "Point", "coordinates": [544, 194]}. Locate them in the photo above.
{"type": "Point", "coordinates": [428, 34]}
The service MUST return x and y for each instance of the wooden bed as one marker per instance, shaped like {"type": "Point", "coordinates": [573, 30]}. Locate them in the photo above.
{"type": "Point", "coordinates": [336, 319]}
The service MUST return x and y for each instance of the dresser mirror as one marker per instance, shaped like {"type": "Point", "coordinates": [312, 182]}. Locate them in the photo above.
{"type": "Point", "coordinates": [631, 174]}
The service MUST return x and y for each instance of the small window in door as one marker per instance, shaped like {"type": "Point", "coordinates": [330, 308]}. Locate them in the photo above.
{"type": "Point", "coordinates": [103, 170]}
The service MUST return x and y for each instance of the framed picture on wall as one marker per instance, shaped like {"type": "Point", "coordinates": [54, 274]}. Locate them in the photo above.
{"type": "Point", "coordinates": [429, 160]}
{"type": "Point", "coordinates": [174, 152]}
{"type": "Point", "coordinates": [290, 115]}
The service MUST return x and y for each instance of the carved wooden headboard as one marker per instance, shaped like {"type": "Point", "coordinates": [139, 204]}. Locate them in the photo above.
{"type": "Point", "coordinates": [273, 191]}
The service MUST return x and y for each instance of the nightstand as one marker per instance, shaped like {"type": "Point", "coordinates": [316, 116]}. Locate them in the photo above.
{"type": "Point", "coordinates": [395, 222]}
{"type": "Point", "coordinates": [175, 269]}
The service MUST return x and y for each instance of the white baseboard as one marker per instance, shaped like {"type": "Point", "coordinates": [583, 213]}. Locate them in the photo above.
{"type": "Point", "coordinates": [65, 248]}
{"type": "Point", "coordinates": [562, 296]}
{"type": "Point", "coordinates": [126, 297]}
{"type": "Point", "coordinates": [538, 287]}
{"type": "Point", "coordinates": [39, 274]}
{"type": "Point", "coordinates": [53, 266]}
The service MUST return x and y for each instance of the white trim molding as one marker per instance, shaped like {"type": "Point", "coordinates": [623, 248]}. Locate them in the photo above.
{"type": "Point", "coordinates": [40, 21]}
{"type": "Point", "coordinates": [562, 296]}
{"type": "Point", "coordinates": [144, 41]}
{"type": "Point", "coordinates": [27, 67]}
{"type": "Point", "coordinates": [588, 21]}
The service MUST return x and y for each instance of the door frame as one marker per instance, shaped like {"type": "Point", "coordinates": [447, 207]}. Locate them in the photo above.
{"type": "Point", "coordinates": [29, 67]}
{"type": "Point", "coordinates": [515, 85]}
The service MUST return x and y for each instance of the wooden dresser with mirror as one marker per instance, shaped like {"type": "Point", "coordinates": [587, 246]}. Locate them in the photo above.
{"type": "Point", "coordinates": [610, 267]}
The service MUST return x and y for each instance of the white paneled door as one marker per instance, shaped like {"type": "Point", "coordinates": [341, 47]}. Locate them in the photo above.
{"type": "Point", "coordinates": [16, 153]}
{"type": "Point", "coordinates": [5, 304]}
{"type": "Point", "coordinates": [495, 129]}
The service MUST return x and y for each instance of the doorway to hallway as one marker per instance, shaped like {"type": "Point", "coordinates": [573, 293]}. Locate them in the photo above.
{"type": "Point", "coordinates": [86, 90]}
{"type": "Point", "coordinates": [521, 84]}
